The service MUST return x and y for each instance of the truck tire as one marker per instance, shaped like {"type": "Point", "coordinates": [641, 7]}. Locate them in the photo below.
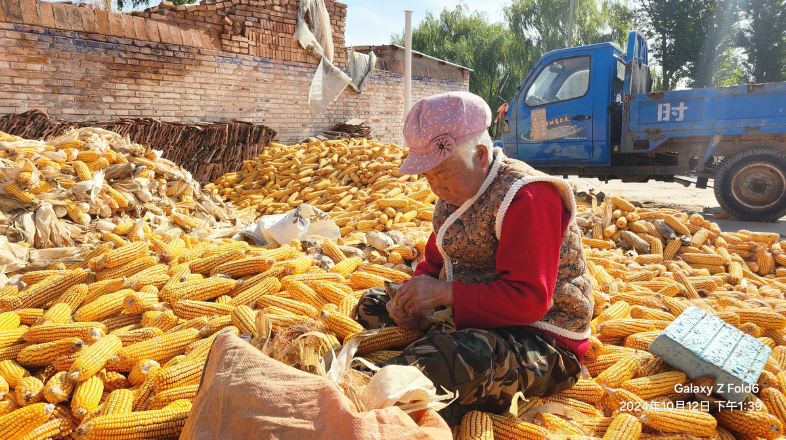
{"type": "Point", "coordinates": [751, 185]}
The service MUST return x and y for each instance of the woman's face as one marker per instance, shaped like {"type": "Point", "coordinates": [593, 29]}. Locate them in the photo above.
{"type": "Point", "coordinates": [454, 182]}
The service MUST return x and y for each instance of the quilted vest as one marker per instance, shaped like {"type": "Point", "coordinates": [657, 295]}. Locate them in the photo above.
{"type": "Point", "coordinates": [468, 236]}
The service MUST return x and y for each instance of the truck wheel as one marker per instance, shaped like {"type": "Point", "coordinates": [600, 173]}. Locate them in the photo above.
{"type": "Point", "coordinates": [752, 185]}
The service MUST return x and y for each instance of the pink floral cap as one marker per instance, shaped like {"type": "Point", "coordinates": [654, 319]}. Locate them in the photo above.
{"type": "Point", "coordinates": [435, 125]}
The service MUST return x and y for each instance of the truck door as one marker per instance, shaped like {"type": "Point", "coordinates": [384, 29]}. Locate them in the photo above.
{"type": "Point", "coordinates": [555, 115]}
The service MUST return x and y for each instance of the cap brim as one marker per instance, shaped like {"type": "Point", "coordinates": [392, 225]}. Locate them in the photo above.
{"type": "Point", "coordinates": [418, 163]}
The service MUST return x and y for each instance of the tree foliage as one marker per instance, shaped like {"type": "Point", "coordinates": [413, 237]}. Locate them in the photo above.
{"type": "Point", "coordinates": [763, 37]}
{"type": "Point", "coordinates": [531, 28]}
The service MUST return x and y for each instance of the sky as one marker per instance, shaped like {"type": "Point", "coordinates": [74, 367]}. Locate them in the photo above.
{"type": "Point", "coordinates": [371, 22]}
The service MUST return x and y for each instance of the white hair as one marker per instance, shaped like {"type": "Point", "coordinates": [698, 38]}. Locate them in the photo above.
{"type": "Point", "coordinates": [465, 151]}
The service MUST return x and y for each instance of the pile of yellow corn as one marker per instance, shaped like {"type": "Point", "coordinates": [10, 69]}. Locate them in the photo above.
{"type": "Point", "coordinates": [112, 344]}
{"type": "Point", "coordinates": [356, 180]}
{"type": "Point", "coordinates": [70, 183]}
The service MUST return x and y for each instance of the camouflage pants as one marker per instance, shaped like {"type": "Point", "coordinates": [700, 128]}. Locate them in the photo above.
{"type": "Point", "coordinates": [485, 366]}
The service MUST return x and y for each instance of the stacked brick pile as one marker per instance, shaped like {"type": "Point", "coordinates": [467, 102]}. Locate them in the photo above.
{"type": "Point", "coordinates": [254, 27]}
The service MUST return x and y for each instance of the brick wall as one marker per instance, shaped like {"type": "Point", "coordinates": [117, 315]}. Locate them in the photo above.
{"type": "Point", "coordinates": [186, 63]}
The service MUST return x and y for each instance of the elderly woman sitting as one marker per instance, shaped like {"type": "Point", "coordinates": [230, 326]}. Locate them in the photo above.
{"type": "Point", "coordinates": [505, 254]}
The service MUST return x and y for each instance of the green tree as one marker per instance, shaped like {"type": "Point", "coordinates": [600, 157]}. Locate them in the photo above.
{"type": "Point", "coordinates": [678, 31]}
{"type": "Point", "coordinates": [718, 39]}
{"type": "Point", "coordinates": [764, 39]}
{"type": "Point", "coordinates": [468, 39]}
{"type": "Point", "coordinates": [531, 28]}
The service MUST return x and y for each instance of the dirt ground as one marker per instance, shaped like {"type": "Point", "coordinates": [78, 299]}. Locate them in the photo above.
{"type": "Point", "coordinates": [674, 195]}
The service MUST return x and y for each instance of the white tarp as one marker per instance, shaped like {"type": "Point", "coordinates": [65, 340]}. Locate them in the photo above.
{"type": "Point", "coordinates": [360, 67]}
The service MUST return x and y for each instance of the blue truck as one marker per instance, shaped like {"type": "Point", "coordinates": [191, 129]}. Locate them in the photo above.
{"type": "Point", "coordinates": [590, 111]}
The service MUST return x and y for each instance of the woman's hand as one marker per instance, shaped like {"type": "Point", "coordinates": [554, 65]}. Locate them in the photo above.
{"type": "Point", "coordinates": [423, 293]}
{"type": "Point", "coordinates": [403, 320]}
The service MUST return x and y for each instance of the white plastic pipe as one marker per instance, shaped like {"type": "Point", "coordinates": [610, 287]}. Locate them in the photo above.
{"type": "Point", "coordinates": [407, 61]}
{"type": "Point", "coordinates": [570, 25]}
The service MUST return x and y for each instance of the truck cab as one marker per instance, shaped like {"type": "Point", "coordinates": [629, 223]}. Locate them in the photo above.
{"type": "Point", "coordinates": [590, 111]}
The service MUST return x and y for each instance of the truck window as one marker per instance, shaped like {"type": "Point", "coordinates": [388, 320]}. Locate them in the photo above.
{"type": "Point", "coordinates": [560, 80]}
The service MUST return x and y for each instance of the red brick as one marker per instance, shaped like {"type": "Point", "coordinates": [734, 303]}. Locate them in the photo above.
{"type": "Point", "coordinates": [206, 43]}
{"type": "Point", "coordinates": [46, 15]}
{"type": "Point", "coordinates": [13, 11]}
{"type": "Point", "coordinates": [216, 41]}
{"type": "Point", "coordinates": [140, 28]}
{"type": "Point", "coordinates": [74, 18]}
{"type": "Point", "coordinates": [152, 31]}
{"type": "Point", "coordinates": [163, 32]}
{"type": "Point", "coordinates": [88, 20]}
{"type": "Point", "coordinates": [128, 26]}
{"type": "Point", "coordinates": [174, 32]}
{"type": "Point", "coordinates": [29, 11]}
{"type": "Point", "coordinates": [115, 25]}
{"type": "Point", "coordinates": [186, 33]}
{"type": "Point", "coordinates": [102, 22]}
{"type": "Point", "coordinates": [196, 39]}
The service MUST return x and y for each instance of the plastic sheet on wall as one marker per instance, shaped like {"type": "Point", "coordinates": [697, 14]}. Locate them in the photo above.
{"type": "Point", "coordinates": [313, 30]}
{"type": "Point", "coordinates": [360, 67]}
{"type": "Point", "coordinates": [329, 81]}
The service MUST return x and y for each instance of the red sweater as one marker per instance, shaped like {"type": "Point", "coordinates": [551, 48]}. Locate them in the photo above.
{"type": "Point", "coordinates": [527, 261]}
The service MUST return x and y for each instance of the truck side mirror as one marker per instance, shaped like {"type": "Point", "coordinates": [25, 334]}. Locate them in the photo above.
{"type": "Point", "coordinates": [503, 82]}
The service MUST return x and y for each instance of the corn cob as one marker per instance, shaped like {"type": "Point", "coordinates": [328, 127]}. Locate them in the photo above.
{"type": "Point", "coordinates": [385, 338]}
{"type": "Point", "coordinates": [11, 371]}
{"type": "Point", "coordinates": [301, 292]}
{"type": "Point", "coordinates": [754, 423]}
{"type": "Point", "coordinates": [138, 302]}
{"type": "Point", "coordinates": [121, 256]}
{"type": "Point", "coordinates": [585, 390]}
{"type": "Point", "coordinates": [163, 423]}
{"type": "Point", "coordinates": [12, 337]}
{"type": "Point", "coordinates": [624, 427]}
{"type": "Point", "coordinates": [134, 267]}
{"type": "Point", "coordinates": [161, 348]}
{"type": "Point", "coordinates": [192, 309]}
{"type": "Point", "coordinates": [342, 326]}
{"type": "Point", "coordinates": [93, 358]}
{"type": "Point", "coordinates": [44, 354]}
{"type": "Point", "coordinates": [508, 428]}
{"type": "Point", "coordinates": [333, 252]}
{"type": "Point", "coordinates": [29, 390]}
{"type": "Point", "coordinates": [119, 401]}
{"type": "Point", "coordinates": [555, 424]}
{"type": "Point", "coordinates": [243, 267]}
{"type": "Point", "coordinates": [15, 425]}
{"type": "Point", "coordinates": [202, 290]}
{"type": "Point", "coordinates": [476, 425]}
{"type": "Point", "coordinates": [346, 266]}
{"type": "Point", "coordinates": [102, 307]}
{"type": "Point", "coordinates": [655, 385]}
{"type": "Point", "coordinates": [170, 395]}
{"type": "Point", "coordinates": [182, 374]}
{"type": "Point", "coordinates": [141, 370]}
{"type": "Point", "coordinates": [87, 395]}
{"type": "Point", "coordinates": [622, 370]}
{"type": "Point", "coordinates": [391, 274]}
{"type": "Point", "coordinates": [365, 280]}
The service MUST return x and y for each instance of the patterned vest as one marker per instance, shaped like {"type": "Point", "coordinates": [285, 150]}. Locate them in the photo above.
{"type": "Point", "coordinates": [468, 237]}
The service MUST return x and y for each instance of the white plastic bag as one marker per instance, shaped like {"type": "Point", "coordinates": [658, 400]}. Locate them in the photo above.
{"type": "Point", "coordinates": [299, 224]}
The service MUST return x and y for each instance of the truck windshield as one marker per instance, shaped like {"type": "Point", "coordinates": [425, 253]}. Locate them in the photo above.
{"type": "Point", "coordinates": [560, 80]}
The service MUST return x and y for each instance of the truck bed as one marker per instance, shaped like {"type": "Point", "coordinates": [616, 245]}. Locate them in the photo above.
{"type": "Point", "coordinates": [651, 119]}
